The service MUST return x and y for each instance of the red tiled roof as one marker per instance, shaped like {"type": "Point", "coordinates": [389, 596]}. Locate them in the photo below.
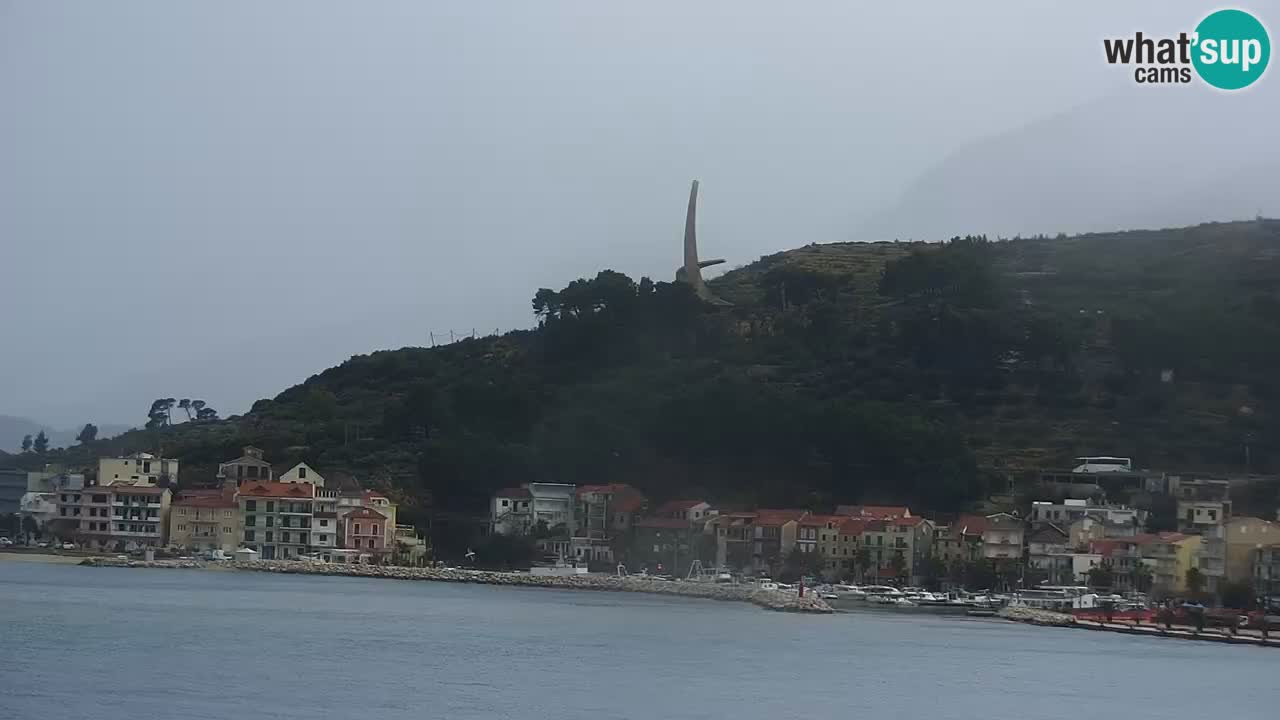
{"type": "Point", "coordinates": [629, 502]}
{"type": "Point", "coordinates": [970, 525]}
{"type": "Point", "coordinates": [907, 521]}
{"type": "Point", "coordinates": [853, 526]}
{"type": "Point", "coordinates": [277, 489]}
{"type": "Point", "coordinates": [821, 520]}
{"type": "Point", "coordinates": [514, 493]}
{"type": "Point", "coordinates": [664, 523]}
{"type": "Point", "coordinates": [673, 506]}
{"type": "Point", "coordinates": [777, 517]}
{"type": "Point", "coordinates": [364, 512]}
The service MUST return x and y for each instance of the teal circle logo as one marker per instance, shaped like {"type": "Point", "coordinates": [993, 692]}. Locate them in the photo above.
{"type": "Point", "coordinates": [1231, 49]}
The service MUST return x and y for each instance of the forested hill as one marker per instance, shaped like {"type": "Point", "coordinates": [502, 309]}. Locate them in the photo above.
{"type": "Point", "coordinates": [842, 373]}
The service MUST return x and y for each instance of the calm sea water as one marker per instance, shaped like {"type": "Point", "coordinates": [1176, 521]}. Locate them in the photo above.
{"type": "Point", "coordinates": [112, 644]}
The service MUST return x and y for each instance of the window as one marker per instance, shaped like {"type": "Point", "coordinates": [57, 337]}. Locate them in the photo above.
{"type": "Point", "coordinates": [270, 536]}
{"type": "Point", "coordinates": [226, 513]}
{"type": "Point", "coordinates": [302, 473]}
{"type": "Point", "coordinates": [505, 503]}
{"type": "Point", "coordinates": [250, 505]}
{"type": "Point", "coordinates": [284, 537]}
{"type": "Point", "coordinates": [357, 531]}
{"type": "Point", "coordinates": [1213, 515]}
{"type": "Point", "coordinates": [370, 543]}
{"type": "Point", "coordinates": [250, 520]}
{"type": "Point", "coordinates": [374, 531]}
{"type": "Point", "coordinates": [146, 466]}
{"type": "Point", "coordinates": [271, 520]}
{"type": "Point", "coordinates": [226, 530]}
{"type": "Point", "coordinates": [249, 535]}
{"type": "Point", "coordinates": [324, 523]}
{"type": "Point", "coordinates": [271, 506]}
{"type": "Point", "coordinates": [253, 471]}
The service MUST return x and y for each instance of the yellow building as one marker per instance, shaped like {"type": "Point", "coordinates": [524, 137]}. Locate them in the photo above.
{"type": "Point", "coordinates": [137, 469]}
{"type": "Point", "coordinates": [1244, 535]}
{"type": "Point", "coordinates": [1170, 555]}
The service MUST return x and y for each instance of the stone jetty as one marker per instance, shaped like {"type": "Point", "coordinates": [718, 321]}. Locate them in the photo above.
{"type": "Point", "coordinates": [1037, 617]}
{"type": "Point", "coordinates": [769, 599]}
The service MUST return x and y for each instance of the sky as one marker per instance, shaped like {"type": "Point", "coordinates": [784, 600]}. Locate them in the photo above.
{"type": "Point", "coordinates": [218, 199]}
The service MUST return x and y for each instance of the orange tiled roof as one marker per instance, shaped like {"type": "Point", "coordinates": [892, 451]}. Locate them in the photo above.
{"type": "Point", "coordinates": [765, 516]}
{"type": "Point", "coordinates": [277, 490]}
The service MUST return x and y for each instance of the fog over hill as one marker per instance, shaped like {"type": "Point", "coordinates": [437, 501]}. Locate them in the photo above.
{"type": "Point", "coordinates": [1160, 158]}
{"type": "Point", "coordinates": [13, 429]}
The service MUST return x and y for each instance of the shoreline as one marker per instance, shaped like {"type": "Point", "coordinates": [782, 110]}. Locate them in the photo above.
{"type": "Point", "coordinates": [768, 599]}
{"type": "Point", "coordinates": [1053, 619]}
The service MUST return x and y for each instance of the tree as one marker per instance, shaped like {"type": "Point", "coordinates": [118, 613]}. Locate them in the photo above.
{"type": "Point", "coordinates": [88, 434]}
{"type": "Point", "coordinates": [185, 405]}
{"type": "Point", "coordinates": [1195, 580]}
{"type": "Point", "coordinates": [1142, 578]}
{"type": "Point", "coordinates": [863, 562]}
{"type": "Point", "coordinates": [30, 527]}
{"type": "Point", "coordinates": [898, 563]}
{"type": "Point", "coordinates": [41, 443]}
{"type": "Point", "coordinates": [159, 414]}
{"type": "Point", "coordinates": [26, 443]}
{"type": "Point", "coordinates": [206, 414]}
{"type": "Point", "coordinates": [1101, 576]}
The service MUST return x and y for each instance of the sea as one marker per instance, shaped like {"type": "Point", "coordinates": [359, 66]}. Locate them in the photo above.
{"type": "Point", "coordinates": [123, 644]}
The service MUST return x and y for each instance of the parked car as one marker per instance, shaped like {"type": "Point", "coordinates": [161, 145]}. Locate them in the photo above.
{"type": "Point", "coordinates": [68, 546]}
{"type": "Point", "coordinates": [5, 541]}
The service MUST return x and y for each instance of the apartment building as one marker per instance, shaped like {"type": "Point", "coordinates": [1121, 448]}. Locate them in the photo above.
{"type": "Point", "coordinates": [205, 520]}
{"type": "Point", "coordinates": [518, 510]}
{"type": "Point", "coordinates": [138, 469]}
{"type": "Point", "coordinates": [250, 466]}
{"type": "Point", "coordinates": [1003, 537]}
{"type": "Point", "coordinates": [365, 531]}
{"type": "Point", "coordinates": [277, 518]}
{"type": "Point", "coordinates": [1170, 555]}
{"type": "Point", "coordinates": [113, 517]}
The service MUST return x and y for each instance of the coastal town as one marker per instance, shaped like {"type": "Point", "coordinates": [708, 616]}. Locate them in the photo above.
{"type": "Point", "coordinates": [1100, 525]}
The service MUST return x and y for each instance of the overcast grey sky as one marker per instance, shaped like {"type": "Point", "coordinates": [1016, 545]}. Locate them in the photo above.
{"type": "Point", "coordinates": [218, 199]}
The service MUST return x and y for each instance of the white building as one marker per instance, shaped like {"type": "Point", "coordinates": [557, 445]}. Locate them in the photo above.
{"type": "Point", "coordinates": [324, 525]}
{"type": "Point", "coordinates": [301, 473]}
{"type": "Point", "coordinates": [518, 510]}
{"type": "Point", "coordinates": [137, 469]}
{"type": "Point", "coordinates": [1197, 516]}
{"type": "Point", "coordinates": [1064, 513]}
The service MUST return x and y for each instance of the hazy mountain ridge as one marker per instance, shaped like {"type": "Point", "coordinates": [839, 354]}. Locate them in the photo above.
{"type": "Point", "coordinates": [1139, 160]}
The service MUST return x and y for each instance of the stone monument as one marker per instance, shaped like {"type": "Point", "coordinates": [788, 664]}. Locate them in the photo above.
{"type": "Point", "coordinates": [691, 271]}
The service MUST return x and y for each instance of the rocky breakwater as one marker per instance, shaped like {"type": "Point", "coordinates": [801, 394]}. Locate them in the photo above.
{"type": "Point", "coordinates": [1037, 617]}
{"type": "Point", "coordinates": [770, 599]}
{"type": "Point", "coordinates": [131, 563]}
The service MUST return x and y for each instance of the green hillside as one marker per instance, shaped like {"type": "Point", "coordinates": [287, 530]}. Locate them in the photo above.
{"type": "Point", "coordinates": [846, 372]}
